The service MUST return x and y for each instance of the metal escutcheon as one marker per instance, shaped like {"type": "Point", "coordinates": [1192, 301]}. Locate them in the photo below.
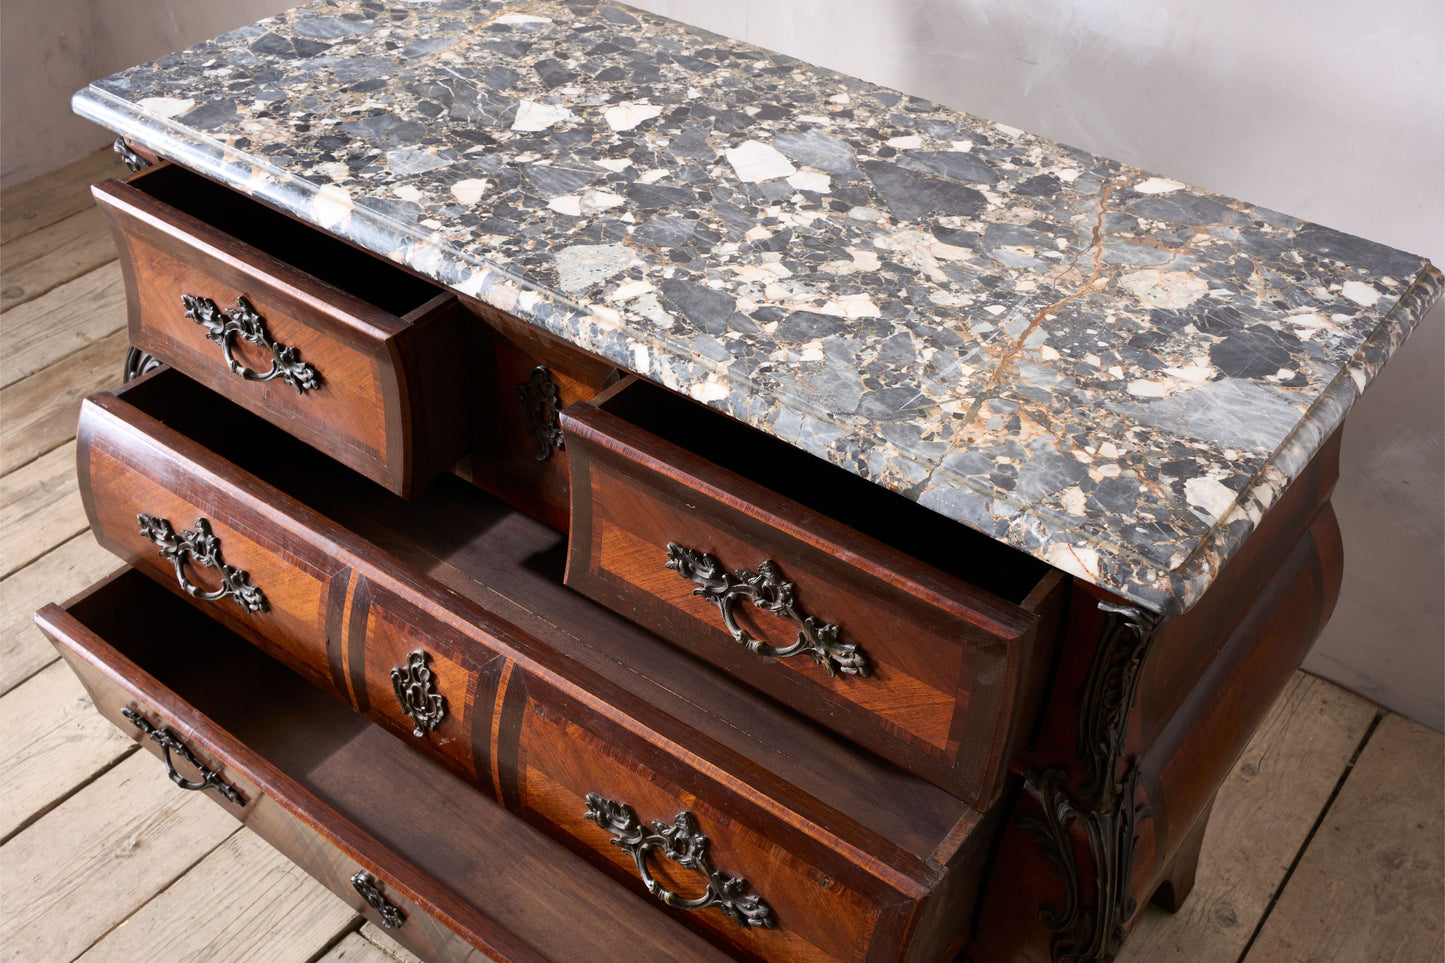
{"type": "Point", "coordinates": [369, 889]}
{"type": "Point", "coordinates": [415, 688]}
{"type": "Point", "coordinates": [540, 400]}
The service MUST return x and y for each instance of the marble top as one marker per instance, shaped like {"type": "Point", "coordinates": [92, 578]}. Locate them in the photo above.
{"type": "Point", "coordinates": [1110, 370]}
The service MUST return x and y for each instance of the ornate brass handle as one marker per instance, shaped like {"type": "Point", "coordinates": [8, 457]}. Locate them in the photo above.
{"type": "Point", "coordinates": [243, 320]}
{"type": "Point", "coordinates": [368, 889]}
{"type": "Point", "coordinates": [205, 548]}
{"type": "Point", "coordinates": [416, 690]}
{"type": "Point", "coordinates": [769, 591]}
{"type": "Point", "coordinates": [168, 742]}
{"type": "Point", "coordinates": [684, 843]}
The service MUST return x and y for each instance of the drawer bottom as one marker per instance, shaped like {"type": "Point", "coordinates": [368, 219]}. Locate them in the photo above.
{"type": "Point", "coordinates": [455, 875]}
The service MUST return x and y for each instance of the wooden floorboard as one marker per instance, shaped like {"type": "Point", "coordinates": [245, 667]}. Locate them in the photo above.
{"type": "Point", "coordinates": [41, 410]}
{"type": "Point", "coordinates": [280, 914]}
{"type": "Point", "coordinates": [377, 937]}
{"type": "Point", "coordinates": [44, 200]}
{"type": "Point", "coordinates": [54, 577]}
{"type": "Point", "coordinates": [357, 949]}
{"type": "Point", "coordinates": [52, 736]}
{"type": "Point", "coordinates": [53, 255]}
{"type": "Point", "coordinates": [1370, 886]}
{"type": "Point", "coordinates": [1306, 858]}
{"type": "Point", "coordinates": [1263, 814]}
{"type": "Point", "coordinates": [38, 333]}
{"type": "Point", "coordinates": [41, 508]}
{"type": "Point", "coordinates": [78, 871]}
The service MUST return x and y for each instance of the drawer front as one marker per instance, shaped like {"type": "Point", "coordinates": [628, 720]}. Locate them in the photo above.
{"type": "Point", "coordinates": [180, 523]}
{"type": "Point", "coordinates": [535, 731]}
{"type": "Point", "coordinates": [570, 767]}
{"type": "Point", "coordinates": [527, 378]}
{"type": "Point", "coordinates": [393, 836]}
{"type": "Point", "coordinates": [921, 668]}
{"type": "Point", "coordinates": [417, 675]}
{"type": "Point", "coordinates": [381, 393]}
{"type": "Point", "coordinates": [542, 745]}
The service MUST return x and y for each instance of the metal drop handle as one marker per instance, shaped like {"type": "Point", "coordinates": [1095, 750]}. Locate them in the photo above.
{"type": "Point", "coordinates": [224, 325]}
{"type": "Point", "coordinates": [203, 546]}
{"type": "Point", "coordinates": [768, 590]}
{"type": "Point", "coordinates": [684, 843]}
{"type": "Point", "coordinates": [169, 743]}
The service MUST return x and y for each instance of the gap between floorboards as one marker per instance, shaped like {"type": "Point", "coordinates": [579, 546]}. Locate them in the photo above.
{"type": "Point", "coordinates": [1310, 838]}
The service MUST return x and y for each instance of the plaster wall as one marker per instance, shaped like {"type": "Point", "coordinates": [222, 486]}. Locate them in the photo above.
{"type": "Point", "coordinates": [1328, 110]}
{"type": "Point", "coordinates": [51, 48]}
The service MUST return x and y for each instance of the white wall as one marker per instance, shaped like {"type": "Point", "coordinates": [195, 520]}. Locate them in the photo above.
{"type": "Point", "coordinates": [1330, 110]}
{"type": "Point", "coordinates": [51, 48]}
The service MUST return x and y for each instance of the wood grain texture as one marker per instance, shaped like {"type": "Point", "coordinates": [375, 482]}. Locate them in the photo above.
{"type": "Point", "coordinates": [390, 401]}
{"type": "Point", "coordinates": [53, 737]}
{"type": "Point", "coordinates": [43, 200]}
{"type": "Point", "coordinates": [59, 573]}
{"type": "Point", "coordinates": [377, 937]}
{"type": "Point", "coordinates": [348, 796]}
{"type": "Point", "coordinates": [93, 860]}
{"type": "Point", "coordinates": [53, 255]}
{"type": "Point", "coordinates": [1176, 778]}
{"type": "Point", "coordinates": [244, 902]}
{"type": "Point", "coordinates": [1243, 851]}
{"type": "Point", "coordinates": [846, 888]}
{"type": "Point", "coordinates": [301, 581]}
{"type": "Point", "coordinates": [356, 948]}
{"type": "Point", "coordinates": [944, 695]}
{"type": "Point", "coordinates": [39, 333]}
{"type": "Point", "coordinates": [40, 508]}
{"type": "Point", "coordinates": [41, 410]}
{"type": "Point", "coordinates": [1262, 816]}
{"type": "Point", "coordinates": [1371, 886]}
{"type": "Point", "coordinates": [504, 459]}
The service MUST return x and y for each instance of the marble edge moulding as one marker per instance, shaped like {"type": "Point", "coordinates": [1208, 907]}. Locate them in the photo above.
{"type": "Point", "coordinates": [1080, 545]}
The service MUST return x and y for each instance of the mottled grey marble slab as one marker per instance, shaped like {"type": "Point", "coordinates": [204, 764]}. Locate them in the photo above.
{"type": "Point", "coordinates": [1107, 369]}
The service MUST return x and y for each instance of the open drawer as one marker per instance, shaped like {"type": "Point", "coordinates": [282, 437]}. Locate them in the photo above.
{"type": "Point", "coordinates": [342, 349]}
{"type": "Point", "coordinates": [786, 844]}
{"type": "Point", "coordinates": [913, 636]}
{"type": "Point", "coordinates": [448, 874]}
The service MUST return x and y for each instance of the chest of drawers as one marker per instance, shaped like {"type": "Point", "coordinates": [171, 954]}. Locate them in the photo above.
{"type": "Point", "coordinates": [636, 677]}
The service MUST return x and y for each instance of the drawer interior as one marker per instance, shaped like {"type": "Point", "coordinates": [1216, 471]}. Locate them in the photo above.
{"type": "Point", "coordinates": [332, 261]}
{"type": "Point", "coordinates": [369, 781]}
{"type": "Point", "coordinates": [512, 565]}
{"type": "Point", "coordinates": [814, 483]}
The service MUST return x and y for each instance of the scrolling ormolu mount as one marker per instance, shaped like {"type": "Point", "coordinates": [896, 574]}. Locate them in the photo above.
{"type": "Point", "coordinates": [1090, 925]}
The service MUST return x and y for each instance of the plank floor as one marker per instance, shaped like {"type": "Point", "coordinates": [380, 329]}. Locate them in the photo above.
{"type": "Point", "coordinates": [1325, 843]}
